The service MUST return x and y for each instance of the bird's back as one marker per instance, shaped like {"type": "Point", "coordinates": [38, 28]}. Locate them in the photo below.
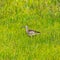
{"type": "Point", "coordinates": [32, 32]}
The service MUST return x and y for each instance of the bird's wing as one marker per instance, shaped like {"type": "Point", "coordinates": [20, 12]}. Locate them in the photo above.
{"type": "Point", "coordinates": [34, 31]}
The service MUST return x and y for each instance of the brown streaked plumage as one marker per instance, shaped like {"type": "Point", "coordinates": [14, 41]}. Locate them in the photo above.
{"type": "Point", "coordinates": [31, 32]}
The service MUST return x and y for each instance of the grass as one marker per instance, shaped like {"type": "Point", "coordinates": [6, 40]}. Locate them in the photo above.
{"type": "Point", "coordinates": [40, 15]}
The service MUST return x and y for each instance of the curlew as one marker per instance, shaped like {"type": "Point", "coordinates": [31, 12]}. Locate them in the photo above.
{"type": "Point", "coordinates": [31, 32]}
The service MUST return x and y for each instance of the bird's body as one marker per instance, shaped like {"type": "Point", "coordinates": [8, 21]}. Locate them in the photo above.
{"type": "Point", "coordinates": [31, 32]}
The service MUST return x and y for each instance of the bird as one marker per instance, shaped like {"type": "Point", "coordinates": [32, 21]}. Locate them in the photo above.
{"type": "Point", "coordinates": [31, 32]}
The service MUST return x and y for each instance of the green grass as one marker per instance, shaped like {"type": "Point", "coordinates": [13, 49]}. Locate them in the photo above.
{"type": "Point", "coordinates": [40, 15]}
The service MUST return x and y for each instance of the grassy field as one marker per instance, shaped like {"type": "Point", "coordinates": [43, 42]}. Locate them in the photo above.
{"type": "Point", "coordinates": [39, 15]}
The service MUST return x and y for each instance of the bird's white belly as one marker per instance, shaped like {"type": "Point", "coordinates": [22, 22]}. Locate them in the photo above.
{"type": "Point", "coordinates": [31, 33]}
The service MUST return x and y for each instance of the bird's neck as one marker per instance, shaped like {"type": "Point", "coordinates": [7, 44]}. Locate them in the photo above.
{"type": "Point", "coordinates": [26, 29]}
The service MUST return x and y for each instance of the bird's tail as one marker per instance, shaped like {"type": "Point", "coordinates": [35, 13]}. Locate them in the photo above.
{"type": "Point", "coordinates": [37, 32]}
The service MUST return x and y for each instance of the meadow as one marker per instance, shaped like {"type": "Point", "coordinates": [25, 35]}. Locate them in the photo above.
{"type": "Point", "coordinates": [39, 15]}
